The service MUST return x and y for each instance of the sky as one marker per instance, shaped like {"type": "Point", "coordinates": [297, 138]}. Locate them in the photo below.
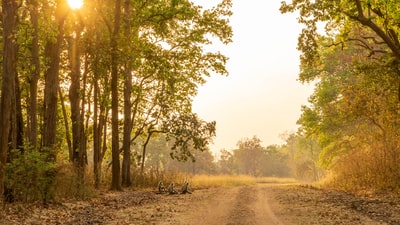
{"type": "Point", "coordinates": [261, 96]}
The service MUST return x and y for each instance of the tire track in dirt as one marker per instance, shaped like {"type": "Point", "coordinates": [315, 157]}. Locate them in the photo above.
{"type": "Point", "coordinates": [253, 208]}
{"type": "Point", "coordinates": [264, 206]}
{"type": "Point", "coordinates": [248, 205]}
{"type": "Point", "coordinates": [243, 212]}
{"type": "Point", "coordinates": [214, 209]}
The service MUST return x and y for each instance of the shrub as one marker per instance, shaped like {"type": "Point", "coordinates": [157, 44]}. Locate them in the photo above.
{"type": "Point", "coordinates": [29, 177]}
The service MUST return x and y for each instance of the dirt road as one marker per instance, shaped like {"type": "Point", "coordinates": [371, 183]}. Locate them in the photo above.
{"type": "Point", "coordinates": [248, 205]}
{"type": "Point", "coordinates": [233, 206]}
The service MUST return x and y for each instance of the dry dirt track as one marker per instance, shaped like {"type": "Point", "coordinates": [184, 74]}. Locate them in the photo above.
{"type": "Point", "coordinates": [263, 204]}
{"type": "Point", "coordinates": [248, 205]}
{"type": "Point", "coordinates": [234, 206]}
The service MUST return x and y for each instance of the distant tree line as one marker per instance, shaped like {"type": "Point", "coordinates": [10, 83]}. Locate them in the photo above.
{"type": "Point", "coordinates": [298, 158]}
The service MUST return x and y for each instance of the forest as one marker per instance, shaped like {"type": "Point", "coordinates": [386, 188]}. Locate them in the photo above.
{"type": "Point", "coordinates": [101, 96]}
{"type": "Point", "coordinates": [82, 86]}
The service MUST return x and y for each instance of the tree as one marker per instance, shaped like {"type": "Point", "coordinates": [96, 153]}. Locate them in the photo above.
{"type": "Point", "coordinates": [250, 156]}
{"type": "Point", "coordinates": [95, 38]}
{"type": "Point", "coordinates": [126, 145]}
{"type": "Point", "coordinates": [9, 73]}
{"type": "Point", "coordinates": [77, 99]}
{"type": "Point", "coordinates": [115, 183]}
{"type": "Point", "coordinates": [356, 61]}
{"type": "Point", "coordinates": [52, 54]}
{"type": "Point", "coordinates": [188, 133]}
{"type": "Point", "coordinates": [34, 77]}
{"type": "Point", "coordinates": [225, 163]}
{"type": "Point", "coordinates": [354, 116]}
{"type": "Point", "coordinates": [173, 62]}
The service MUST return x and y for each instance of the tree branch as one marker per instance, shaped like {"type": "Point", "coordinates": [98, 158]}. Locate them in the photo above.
{"type": "Point", "coordinates": [388, 39]}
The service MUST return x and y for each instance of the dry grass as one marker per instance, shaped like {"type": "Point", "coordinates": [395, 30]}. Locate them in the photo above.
{"type": "Point", "coordinates": [276, 180]}
{"type": "Point", "coordinates": [208, 181]}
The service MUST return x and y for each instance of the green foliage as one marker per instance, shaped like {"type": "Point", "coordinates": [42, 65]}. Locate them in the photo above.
{"type": "Point", "coordinates": [189, 133]}
{"type": "Point", "coordinates": [30, 176]}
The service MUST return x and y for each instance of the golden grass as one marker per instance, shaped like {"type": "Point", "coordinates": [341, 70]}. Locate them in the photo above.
{"type": "Point", "coordinates": [208, 181]}
{"type": "Point", "coordinates": [276, 180]}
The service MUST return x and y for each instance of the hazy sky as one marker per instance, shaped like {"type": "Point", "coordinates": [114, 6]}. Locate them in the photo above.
{"type": "Point", "coordinates": [261, 96]}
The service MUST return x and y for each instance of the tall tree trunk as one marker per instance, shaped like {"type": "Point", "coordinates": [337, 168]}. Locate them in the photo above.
{"type": "Point", "coordinates": [99, 122]}
{"type": "Point", "coordinates": [66, 123]}
{"type": "Point", "coordinates": [78, 145]}
{"type": "Point", "coordinates": [96, 136]}
{"type": "Point", "coordinates": [9, 12]}
{"type": "Point", "coordinates": [52, 53]}
{"type": "Point", "coordinates": [34, 78]}
{"type": "Point", "coordinates": [85, 112]}
{"type": "Point", "coordinates": [126, 161]}
{"type": "Point", "coordinates": [115, 183]}
{"type": "Point", "coordinates": [99, 115]}
{"type": "Point", "coordinates": [16, 117]}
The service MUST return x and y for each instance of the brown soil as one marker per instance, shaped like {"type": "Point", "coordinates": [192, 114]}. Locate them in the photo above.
{"type": "Point", "coordinates": [247, 205]}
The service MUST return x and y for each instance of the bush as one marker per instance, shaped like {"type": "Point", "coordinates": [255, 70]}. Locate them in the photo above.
{"type": "Point", "coordinates": [29, 177]}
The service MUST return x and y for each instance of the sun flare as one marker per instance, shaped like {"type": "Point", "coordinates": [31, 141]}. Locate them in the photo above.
{"type": "Point", "coordinates": [75, 4]}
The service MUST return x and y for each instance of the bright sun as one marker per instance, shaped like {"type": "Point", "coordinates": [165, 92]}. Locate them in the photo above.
{"type": "Point", "coordinates": [75, 4]}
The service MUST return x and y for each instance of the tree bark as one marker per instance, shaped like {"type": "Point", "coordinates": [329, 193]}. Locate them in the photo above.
{"type": "Point", "coordinates": [75, 92]}
{"type": "Point", "coordinates": [52, 56]}
{"type": "Point", "coordinates": [17, 127]}
{"type": "Point", "coordinates": [9, 12]}
{"type": "Point", "coordinates": [96, 137]}
{"type": "Point", "coordinates": [126, 161]}
{"type": "Point", "coordinates": [34, 78]}
{"type": "Point", "coordinates": [52, 53]}
{"type": "Point", "coordinates": [66, 123]}
{"type": "Point", "coordinates": [116, 170]}
{"type": "Point", "coordinates": [99, 118]}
